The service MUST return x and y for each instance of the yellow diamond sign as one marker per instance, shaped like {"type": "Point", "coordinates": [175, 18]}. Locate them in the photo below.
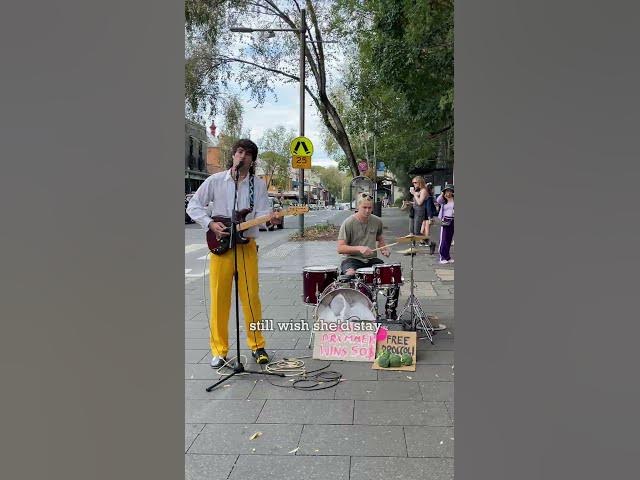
{"type": "Point", "coordinates": [301, 146]}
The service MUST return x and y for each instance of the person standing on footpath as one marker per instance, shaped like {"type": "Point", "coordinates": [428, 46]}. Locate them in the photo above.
{"type": "Point", "coordinates": [431, 214]}
{"type": "Point", "coordinates": [418, 190]}
{"type": "Point", "coordinates": [446, 215]}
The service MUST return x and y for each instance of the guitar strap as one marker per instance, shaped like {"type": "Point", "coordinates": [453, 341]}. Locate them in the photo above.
{"type": "Point", "coordinates": [251, 179]}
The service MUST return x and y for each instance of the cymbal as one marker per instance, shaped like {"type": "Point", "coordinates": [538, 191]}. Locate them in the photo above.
{"type": "Point", "coordinates": [412, 251]}
{"type": "Point", "coordinates": [410, 238]}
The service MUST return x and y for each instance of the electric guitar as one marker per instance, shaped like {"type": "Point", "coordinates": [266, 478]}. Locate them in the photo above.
{"type": "Point", "coordinates": [220, 245]}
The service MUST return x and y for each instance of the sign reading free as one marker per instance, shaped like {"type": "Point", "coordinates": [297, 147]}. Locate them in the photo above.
{"type": "Point", "coordinates": [399, 343]}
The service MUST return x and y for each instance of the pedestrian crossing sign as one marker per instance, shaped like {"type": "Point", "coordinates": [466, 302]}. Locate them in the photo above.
{"type": "Point", "coordinates": [301, 146]}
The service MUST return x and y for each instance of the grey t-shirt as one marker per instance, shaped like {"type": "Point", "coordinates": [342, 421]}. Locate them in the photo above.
{"type": "Point", "coordinates": [356, 233]}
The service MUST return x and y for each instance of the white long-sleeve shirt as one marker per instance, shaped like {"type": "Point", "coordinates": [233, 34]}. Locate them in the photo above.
{"type": "Point", "coordinates": [219, 188]}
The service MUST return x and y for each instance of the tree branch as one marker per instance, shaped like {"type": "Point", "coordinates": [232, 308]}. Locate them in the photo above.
{"type": "Point", "coordinates": [439, 132]}
{"type": "Point", "coordinates": [273, 70]}
{"type": "Point", "coordinates": [320, 48]}
{"type": "Point", "coordinates": [269, 69]}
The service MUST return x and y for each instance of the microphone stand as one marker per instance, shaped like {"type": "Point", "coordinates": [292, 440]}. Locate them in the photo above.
{"type": "Point", "coordinates": [235, 220]}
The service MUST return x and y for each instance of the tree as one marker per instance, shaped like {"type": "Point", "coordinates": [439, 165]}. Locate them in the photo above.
{"type": "Point", "coordinates": [400, 79]}
{"type": "Point", "coordinates": [231, 130]}
{"type": "Point", "coordinates": [332, 179]}
{"type": "Point", "coordinates": [211, 63]}
{"type": "Point", "coordinates": [274, 156]}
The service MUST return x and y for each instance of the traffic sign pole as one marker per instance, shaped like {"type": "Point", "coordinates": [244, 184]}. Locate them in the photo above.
{"type": "Point", "coordinates": [303, 39]}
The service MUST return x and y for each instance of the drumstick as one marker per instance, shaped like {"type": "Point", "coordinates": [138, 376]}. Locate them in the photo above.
{"type": "Point", "coordinates": [380, 248]}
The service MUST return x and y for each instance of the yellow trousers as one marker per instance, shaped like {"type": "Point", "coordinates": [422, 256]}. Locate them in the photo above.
{"type": "Point", "coordinates": [220, 285]}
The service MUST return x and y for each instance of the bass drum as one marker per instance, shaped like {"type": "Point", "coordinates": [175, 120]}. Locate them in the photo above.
{"type": "Point", "coordinates": [340, 302]}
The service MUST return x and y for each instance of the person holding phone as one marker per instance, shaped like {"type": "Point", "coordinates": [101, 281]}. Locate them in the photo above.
{"type": "Point", "coordinates": [418, 191]}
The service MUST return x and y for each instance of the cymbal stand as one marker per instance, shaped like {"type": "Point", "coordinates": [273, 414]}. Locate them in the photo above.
{"type": "Point", "coordinates": [418, 319]}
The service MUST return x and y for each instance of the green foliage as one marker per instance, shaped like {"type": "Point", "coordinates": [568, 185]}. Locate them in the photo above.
{"type": "Point", "coordinates": [400, 79]}
{"type": "Point", "coordinates": [218, 60]}
{"type": "Point", "coordinates": [274, 156]}
{"type": "Point", "coordinates": [335, 182]}
{"type": "Point", "coordinates": [231, 128]}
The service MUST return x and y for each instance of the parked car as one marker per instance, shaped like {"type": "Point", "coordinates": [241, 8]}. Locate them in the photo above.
{"type": "Point", "coordinates": [277, 222]}
{"type": "Point", "coordinates": [187, 218]}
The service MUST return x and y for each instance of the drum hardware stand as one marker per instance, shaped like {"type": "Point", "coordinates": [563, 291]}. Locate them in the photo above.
{"type": "Point", "coordinates": [238, 367]}
{"type": "Point", "coordinates": [314, 320]}
{"type": "Point", "coordinates": [418, 319]}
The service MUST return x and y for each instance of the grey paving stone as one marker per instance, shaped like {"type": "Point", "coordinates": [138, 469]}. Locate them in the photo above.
{"type": "Point", "coordinates": [196, 343]}
{"type": "Point", "coordinates": [435, 357]}
{"type": "Point", "coordinates": [208, 467]}
{"type": "Point", "coordinates": [429, 441]}
{"type": "Point", "coordinates": [440, 342]}
{"type": "Point", "coordinates": [307, 412]}
{"type": "Point", "coordinates": [423, 373]}
{"type": "Point", "coordinates": [365, 440]}
{"type": "Point", "coordinates": [354, 370]}
{"type": "Point", "coordinates": [229, 390]}
{"type": "Point", "coordinates": [194, 356]}
{"type": "Point", "coordinates": [378, 390]}
{"type": "Point", "coordinates": [191, 431]}
{"type": "Point", "coordinates": [235, 438]}
{"type": "Point", "coordinates": [437, 391]}
{"type": "Point", "coordinates": [363, 468]}
{"type": "Point", "coordinates": [449, 406]}
{"type": "Point", "coordinates": [266, 390]}
{"type": "Point", "coordinates": [197, 323]}
{"type": "Point", "coordinates": [392, 412]}
{"type": "Point", "coordinates": [203, 371]}
{"type": "Point", "coordinates": [290, 467]}
{"type": "Point", "coordinates": [196, 333]}
{"type": "Point", "coordinates": [222, 411]}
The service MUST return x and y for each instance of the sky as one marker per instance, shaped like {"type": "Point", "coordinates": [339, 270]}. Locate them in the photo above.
{"type": "Point", "coordinates": [283, 111]}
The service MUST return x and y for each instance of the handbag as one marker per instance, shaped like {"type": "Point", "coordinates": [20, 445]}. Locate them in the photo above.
{"type": "Point", "coordinates": [446, 221]}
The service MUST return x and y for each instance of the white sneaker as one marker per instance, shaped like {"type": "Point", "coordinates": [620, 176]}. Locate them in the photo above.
{"type": "Point", "coordinates": [451, 261]}
{"type": "Point", "coordinates": [442, 262]}
{"type": "Point", "coordinates": [217, 362]}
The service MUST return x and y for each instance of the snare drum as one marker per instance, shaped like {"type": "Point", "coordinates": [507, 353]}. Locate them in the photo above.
{"type": "Point", "coordinates": [387, 274]}
{"type": "Point", "coordinates": [315, 279]}
{"type": "Point", "coordinates": [365, 274]}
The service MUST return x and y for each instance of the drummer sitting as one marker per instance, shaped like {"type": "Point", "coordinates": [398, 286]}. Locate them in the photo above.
{"type": "Point", "coordinates": [357, 241]}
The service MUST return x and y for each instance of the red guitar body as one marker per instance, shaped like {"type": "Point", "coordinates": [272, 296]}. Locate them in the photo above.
{"type": "Point", "coordinates": [221, 245]}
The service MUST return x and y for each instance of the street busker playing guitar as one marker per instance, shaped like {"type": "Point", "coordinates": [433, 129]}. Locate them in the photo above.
{"type": "Point", "coordinates": [217, 192]}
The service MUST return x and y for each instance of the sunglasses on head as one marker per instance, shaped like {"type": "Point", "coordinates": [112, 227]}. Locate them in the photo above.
{"type": "Point", "coordinates": [365, 195]}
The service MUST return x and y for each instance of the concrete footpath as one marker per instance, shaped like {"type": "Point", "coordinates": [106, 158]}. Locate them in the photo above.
{"type": "Point", "coordinates": [373, 425]}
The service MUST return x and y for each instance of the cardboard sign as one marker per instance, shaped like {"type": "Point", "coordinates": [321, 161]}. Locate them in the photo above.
{"type": "Point", "coordinates": [397, 342]}
{"type": "Point", "coordinates": [348, 342]}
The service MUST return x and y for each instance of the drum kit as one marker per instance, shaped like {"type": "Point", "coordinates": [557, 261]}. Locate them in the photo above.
{"type": "Point", "coordinates": [336, 297]}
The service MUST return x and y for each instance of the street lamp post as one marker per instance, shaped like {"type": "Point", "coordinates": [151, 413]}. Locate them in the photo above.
{"type": "Point", "coordinates": [302, 31]}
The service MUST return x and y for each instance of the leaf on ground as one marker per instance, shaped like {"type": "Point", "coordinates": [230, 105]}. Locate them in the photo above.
{"type": "Point", "coordinates": [255, 435]}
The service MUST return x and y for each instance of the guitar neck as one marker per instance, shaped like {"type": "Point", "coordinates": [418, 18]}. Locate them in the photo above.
{"type": "Point", "coordinates": [260, 220]}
